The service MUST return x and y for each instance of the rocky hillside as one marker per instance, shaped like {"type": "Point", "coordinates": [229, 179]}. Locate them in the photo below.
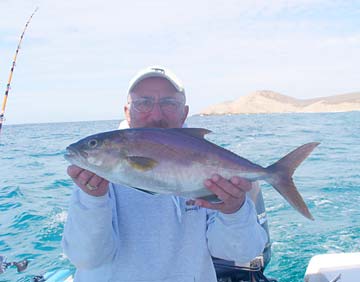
{"type": "Point", "coordinates": [271, 102]}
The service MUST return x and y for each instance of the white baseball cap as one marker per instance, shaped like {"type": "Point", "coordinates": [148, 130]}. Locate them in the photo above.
{"type": "Point", "coordinates": [156, 71]}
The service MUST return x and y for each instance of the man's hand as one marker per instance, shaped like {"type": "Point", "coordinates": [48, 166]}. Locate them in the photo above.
{"type": "Point", "coordinates": [231, 192]}
{"type": "Point", "coordinates": [89, 182]}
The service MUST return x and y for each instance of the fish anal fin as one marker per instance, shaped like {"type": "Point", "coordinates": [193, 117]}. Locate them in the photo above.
{"type": "Point", "coordinates": [141, 163]}
{"type": "Point", "coordinates": [210, 198]}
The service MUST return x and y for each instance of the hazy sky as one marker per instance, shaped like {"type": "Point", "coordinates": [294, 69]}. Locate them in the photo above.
{"type": "Point", "coordinates": [78, 56]}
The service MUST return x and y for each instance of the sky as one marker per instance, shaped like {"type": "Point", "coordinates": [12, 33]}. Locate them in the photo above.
{"type": "Point", "coordinates": [78, 56]}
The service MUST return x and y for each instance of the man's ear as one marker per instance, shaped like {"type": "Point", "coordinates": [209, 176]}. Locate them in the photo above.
{"type": "Point", "coordinates": [186, 112]}
{"type": "Point", "coordinates": [127, 113]}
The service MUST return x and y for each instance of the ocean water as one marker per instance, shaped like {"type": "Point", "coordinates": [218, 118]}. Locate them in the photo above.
{"type": "Point", "coordinates": [35, 189]}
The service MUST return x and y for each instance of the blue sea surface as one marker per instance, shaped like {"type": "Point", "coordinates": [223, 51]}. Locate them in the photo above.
{"type": "Point", "coordinates": [35, 189]}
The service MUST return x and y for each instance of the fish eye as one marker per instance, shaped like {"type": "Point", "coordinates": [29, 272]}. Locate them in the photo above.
{"type": "Point", "coordinates": [92, 143]}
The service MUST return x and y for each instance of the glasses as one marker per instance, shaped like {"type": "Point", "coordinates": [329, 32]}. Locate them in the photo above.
{"type": "Point", "coordinates": [167, 105]}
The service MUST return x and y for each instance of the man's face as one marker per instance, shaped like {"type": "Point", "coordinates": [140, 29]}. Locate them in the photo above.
{"type": "Point", "coordinates": [154, 102]}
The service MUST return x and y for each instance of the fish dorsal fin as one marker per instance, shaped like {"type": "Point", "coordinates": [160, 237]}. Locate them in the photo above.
{"type": "Point", "coordinates": [141, 163]}
{"type": "Point", "coordinates": [195, 132]}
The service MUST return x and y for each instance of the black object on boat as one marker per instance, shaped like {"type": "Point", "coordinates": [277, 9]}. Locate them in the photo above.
{"type": "Point", "coordinates": [20, 265]}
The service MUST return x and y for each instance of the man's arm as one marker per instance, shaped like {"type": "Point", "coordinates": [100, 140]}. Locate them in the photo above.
{"type": "Point", "coordinates": [88, 238]}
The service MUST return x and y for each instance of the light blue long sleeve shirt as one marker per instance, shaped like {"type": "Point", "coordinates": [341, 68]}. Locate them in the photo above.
{"type": "Point", "coordinates": [128, 235]}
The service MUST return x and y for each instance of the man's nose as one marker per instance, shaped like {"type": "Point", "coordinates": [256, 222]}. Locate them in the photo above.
{"type": "Point", "coordinates": [156, 112]}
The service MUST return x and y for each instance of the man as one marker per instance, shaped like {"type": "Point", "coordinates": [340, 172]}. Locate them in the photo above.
{"type": "Point", "coordinates": [116, 233]}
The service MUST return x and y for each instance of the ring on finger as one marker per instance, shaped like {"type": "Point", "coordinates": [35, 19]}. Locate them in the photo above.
{"type": "Point", "coordinates": [90, 187]}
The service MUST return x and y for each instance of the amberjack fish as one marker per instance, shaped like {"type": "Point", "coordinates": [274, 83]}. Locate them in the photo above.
{"type": "Point", "coordinates": [176, 161]}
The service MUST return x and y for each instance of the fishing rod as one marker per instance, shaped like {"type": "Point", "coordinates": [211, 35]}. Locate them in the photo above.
{"type": "Point", "coordinates": [2, 113]}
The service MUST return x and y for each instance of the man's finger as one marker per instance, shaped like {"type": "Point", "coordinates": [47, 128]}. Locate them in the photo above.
{"type": "Point", "coordinates": [95, 180]}
{"type": "Point", "coordinates": [242, 183]}
{"type": "Point", "coordinates": [73, 171]}
{"type": "Point", "coordinates": [220, 193]}
{"type": "Point", "coordinates": [103, 184]}
{"type": "Point", "coordinates": [227, 186]}
{"type": "Point", "coordinates": [85, 176]}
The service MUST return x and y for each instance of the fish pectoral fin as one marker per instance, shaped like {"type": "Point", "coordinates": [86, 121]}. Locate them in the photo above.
{"type": "Point", "coordinates": [211, 198]}
{"type": "Point", "coordinates": [141, 163]}
{"type": "Point", "coordinates": [144, 191]}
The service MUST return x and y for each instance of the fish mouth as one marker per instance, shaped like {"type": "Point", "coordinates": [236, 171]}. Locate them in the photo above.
{"type": "Point", "coordinates": [72, 154]}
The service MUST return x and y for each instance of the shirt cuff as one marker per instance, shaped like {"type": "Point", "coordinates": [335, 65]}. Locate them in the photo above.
{"type": "Point", "coordinates": [242, 214]}
{"type": "Point", "coordinates": [89, 201]}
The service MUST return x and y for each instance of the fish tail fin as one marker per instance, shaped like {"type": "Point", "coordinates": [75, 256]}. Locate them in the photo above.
{"type": "Point", "coordinates": [280, 177]}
